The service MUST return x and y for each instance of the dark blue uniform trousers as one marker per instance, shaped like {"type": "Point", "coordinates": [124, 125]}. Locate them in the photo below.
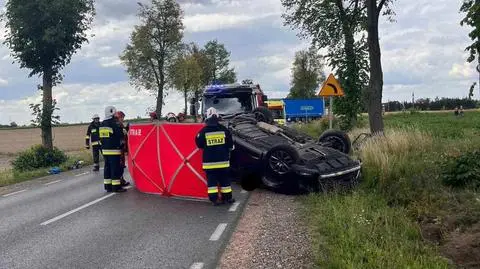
{"type": "Point", "coordinates": [220, 177]}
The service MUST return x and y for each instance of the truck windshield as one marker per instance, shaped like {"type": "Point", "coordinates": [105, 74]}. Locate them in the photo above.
{"type": "Point", "coordinates": [229, 104]}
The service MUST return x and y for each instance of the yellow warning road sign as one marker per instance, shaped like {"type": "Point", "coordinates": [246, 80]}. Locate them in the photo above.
{"type": "Point", "coordinates": [331, 87]}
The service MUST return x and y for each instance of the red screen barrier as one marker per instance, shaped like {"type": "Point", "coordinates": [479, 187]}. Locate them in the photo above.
{"type": "Point", "coordinates": [163, 159]}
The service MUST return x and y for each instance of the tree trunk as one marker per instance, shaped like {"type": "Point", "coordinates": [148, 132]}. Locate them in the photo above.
{"type": "Point", "coordinates": [185, 97]}
{"type": "Point", "coordinates": [160, 89]}
{"type": "Point", "coordinates": [375, 88]}
{"type": "Point", "coordinates": [46, 123]}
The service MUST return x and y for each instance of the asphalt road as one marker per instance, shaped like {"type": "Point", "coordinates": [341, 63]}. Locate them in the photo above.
{"type": "Point", "coordinates": [68, 221]}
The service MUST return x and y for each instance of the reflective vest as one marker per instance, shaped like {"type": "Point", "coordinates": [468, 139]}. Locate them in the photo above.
{"type": "Point", "coordinates": [92, 135]}
{"type": "Point", "coordinates": [216, 142]}
{"type": "Point", "coordinates": [111, 135]}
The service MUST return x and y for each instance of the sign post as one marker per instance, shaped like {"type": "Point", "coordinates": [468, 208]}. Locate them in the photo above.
{"type": "Point", "coordinates": [330, 88]}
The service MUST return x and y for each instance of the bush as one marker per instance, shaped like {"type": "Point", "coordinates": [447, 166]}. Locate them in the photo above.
{"type": "Point", "coordinates": [463, 170]}
{"type": "Point", "coordinates": [38, 157]}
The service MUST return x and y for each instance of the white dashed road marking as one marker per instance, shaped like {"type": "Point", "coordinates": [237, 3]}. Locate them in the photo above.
{"type": "Point", "coordinates": [53, 182]}
{"type": "Point", "coordinates": [13, 193]}
{"type": "Point", "coordinates": [82, 174]}
{"type": "Point", "coordinates": [197, 265]}
{"type": "Point", "coordinates": [80, 208]}
{"type": "Point", "coordinates": [234, 207]}
{"type": "Point", "coordinates": [218, 232]}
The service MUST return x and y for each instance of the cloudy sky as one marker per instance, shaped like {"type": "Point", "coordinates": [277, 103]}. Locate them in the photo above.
{"type": "Point", "coordinates": [422, 52]}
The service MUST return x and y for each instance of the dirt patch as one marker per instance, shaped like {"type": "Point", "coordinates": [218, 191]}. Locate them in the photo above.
{"type": "Point", "coordinates": [463, 248]}
{"type": "Point", "coordinates": [67, 138]}
{"type": "Point", "coordinates": [270, 234]}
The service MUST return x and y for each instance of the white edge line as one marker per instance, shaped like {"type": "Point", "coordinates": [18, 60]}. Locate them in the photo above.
{"type": "Point", "coordinates": [77, 209]}
{"type": "Point", "coordinates": [234, 207]}
{"type": "Point", "coordinates": [82, 174]}
{"type": "Point", "coordinates": [56, 181]}
{"type": "Point", "coordinates": [197, 265]}
{"type": "Point", "coordinates": [13, 193]}
{"type": "Point", "coordinates": [218, 232]}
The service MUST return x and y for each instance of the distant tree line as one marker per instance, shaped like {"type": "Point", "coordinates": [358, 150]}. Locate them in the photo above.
{"type": "Point", "coordinates": [435, 104]}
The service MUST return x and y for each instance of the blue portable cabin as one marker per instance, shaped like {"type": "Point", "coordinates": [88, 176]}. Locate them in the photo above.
{"type": "Point", "coordinates": [304, 109]}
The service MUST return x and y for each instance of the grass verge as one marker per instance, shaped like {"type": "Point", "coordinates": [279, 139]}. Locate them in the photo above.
{"type": "Point", "coordinates": [402, 215]}
{"type": "Point", "coordinates": [9, 176]}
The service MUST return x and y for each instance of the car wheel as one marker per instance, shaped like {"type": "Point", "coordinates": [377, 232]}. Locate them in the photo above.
{"type": "Point", "coordinates": [278, 165]}
{"type": "Point", "coordinates": [263, 114]}
{"type": "Point", "coordinates": [337, 140]}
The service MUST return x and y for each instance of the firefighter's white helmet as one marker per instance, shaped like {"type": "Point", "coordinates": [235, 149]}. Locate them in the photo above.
{"type": "Point", "coordinates": [211, 111]}
{"type": "Point", "coordinates": [109, 112]}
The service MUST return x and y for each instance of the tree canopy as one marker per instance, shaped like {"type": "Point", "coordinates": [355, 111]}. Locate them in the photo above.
{"type": "Point", "coordinates": [42, 36]}
{"type": "Point", "coordinates": [307, 74]}
{"type": "Point", "coordinates": [153, 46]}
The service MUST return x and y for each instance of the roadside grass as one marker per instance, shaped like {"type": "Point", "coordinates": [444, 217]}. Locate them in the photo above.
{"type": "Point", "coordinates": [9, 176]}
{"type": "Point", "coordinates": [361, 231]}
{"type": "Point", "coordinates": [402, 216]}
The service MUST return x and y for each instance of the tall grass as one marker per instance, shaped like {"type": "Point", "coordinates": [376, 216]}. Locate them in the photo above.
{"type": "Point", "coordinates": [361, 231]}
{"type": "Point", "coordinates": [380, 225]}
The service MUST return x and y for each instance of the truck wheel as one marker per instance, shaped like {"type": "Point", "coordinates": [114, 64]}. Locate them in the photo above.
{"type": "Point", "coordinates": [263, 114]}
{"type": "Point", "coordinates": [337, 140]}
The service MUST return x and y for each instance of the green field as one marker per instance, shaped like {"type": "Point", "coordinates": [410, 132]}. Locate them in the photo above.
{"type": "Point", "coordinates": [405, 213]}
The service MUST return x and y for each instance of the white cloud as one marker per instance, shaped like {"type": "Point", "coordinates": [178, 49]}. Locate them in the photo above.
{"type": "Point", "coordinates": [216, 21]}
{"type": "Point", "coordinates": [77, 102]}
{"type": "Point", "coordinates": [463, 71]}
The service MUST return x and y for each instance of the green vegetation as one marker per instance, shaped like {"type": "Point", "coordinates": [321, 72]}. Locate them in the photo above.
{"type": "Point", "coordinates": [43, 35]}
{"type": "Point", "coordinates": [38, 157]}
{"type": "Point", "coordinates": [12, 176]}
{"type": "Point", "coordinates": [418, 200]}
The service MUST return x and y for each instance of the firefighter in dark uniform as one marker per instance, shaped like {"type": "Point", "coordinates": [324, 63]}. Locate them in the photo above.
{"type": "Point", "coordinates": [92, 139]}
{"type": "Point", "coordinates": [216, 142]}
{"type": "Point", "coordinates": [111, 135]}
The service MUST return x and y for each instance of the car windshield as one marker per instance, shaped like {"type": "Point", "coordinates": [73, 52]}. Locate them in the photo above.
{"type": "Point", "coordinates": [229, 104]}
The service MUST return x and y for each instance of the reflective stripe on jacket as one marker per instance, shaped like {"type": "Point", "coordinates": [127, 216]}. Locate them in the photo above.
{"type": "Point", "coordinates": [216, 142]}
{"type": "Point", "coordinates": [92, 134]}
{"type": "Point", "coordinates": [111, 135]}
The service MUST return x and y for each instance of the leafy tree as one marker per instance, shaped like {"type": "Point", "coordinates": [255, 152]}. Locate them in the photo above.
{"type": "Point", "coordinates": [43, 35]}
{"type": "Point", "coordinates": [375, 87]}
{"type": "Point", "coordinates": [153, 47]}
{"type": "Point", "coordinates": [333, 24]}
{"type": "Point", "coordinates": [38, 113]}
{"type": "Point", "coordinates": [472, 19]}
{"type": "Point", "coordinates": [186, 74]}
{"type": "Point", "coordinates": [307, 74]}
{"type": "Point", "coordinates": [217, 64]}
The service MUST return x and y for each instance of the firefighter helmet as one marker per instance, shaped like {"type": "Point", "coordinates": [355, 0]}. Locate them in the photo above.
{"type": "Point", "coordinates": [110, 112]}
{"type": "Point", "coordinates": [95, 116]}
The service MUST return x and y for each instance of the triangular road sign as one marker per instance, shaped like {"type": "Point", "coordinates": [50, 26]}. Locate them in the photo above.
{"type": "Point", "coordinates": [331, 87]}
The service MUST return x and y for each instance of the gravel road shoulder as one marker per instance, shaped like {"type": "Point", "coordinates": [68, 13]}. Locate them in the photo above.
{"type": "Point", "coordinates": [270, 234]}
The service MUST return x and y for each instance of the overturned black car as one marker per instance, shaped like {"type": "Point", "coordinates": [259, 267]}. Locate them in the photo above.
{"type": "Point", "coordinates": [285, 160]}
{"type": "Point", "coordinates": [277, 157]}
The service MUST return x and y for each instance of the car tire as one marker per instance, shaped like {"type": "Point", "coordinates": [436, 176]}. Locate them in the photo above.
{"type": "Point", "coordinates": [263, 114]}
{"type": "Point", "coordinates": [278, 166]}
{"type": "Point", "coordinates": [337, 140]}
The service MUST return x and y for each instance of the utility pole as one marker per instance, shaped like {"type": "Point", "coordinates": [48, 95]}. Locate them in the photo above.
{"type": "Point", "coordinates": [413, 100]}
